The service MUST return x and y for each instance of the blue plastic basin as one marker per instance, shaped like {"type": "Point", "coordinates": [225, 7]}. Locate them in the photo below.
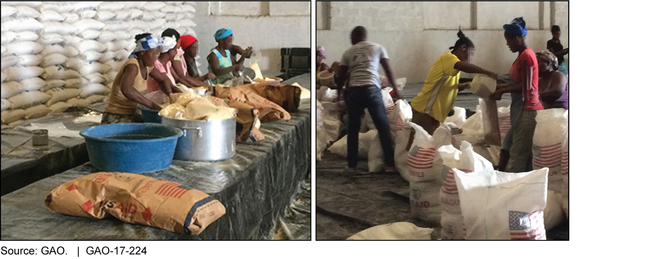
{"type": "Point", "coordinates": [149, 115]}
{"type": "Point", "coordinates": [131, 147]}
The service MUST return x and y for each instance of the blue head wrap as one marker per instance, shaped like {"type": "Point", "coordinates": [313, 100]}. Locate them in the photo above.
{"type": "Point", "coordinates": [517, 27]}
{"type": "Point", "coordinates": [146, 43]}
{"type": "Point", "coordinates": [222, 33]}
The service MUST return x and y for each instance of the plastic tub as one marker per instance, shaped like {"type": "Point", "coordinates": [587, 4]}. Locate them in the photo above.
{"type": "Point", "coordinates": [131, 147]}
{"type": "Point", "coordinates": [149, 115]}
{"type": "Point", "coordinates": [326, 78]}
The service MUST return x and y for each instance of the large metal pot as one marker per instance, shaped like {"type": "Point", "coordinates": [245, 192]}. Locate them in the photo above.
{"type": "Point", "coordinates": [204, 140]}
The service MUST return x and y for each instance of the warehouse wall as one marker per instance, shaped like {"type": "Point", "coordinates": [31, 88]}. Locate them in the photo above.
{"type": "Point", "coordinates": [266, 26]}
{"type": "Point", "coordinates": [415, 34]}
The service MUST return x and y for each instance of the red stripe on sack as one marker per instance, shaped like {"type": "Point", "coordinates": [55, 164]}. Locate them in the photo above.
{"type": "Point", "coordinates": [423, 156]}
{"type": "Point", "coordinates": [417, 167]}
{"type": "Point", "coordinates": [421, 159]}
{"type": "Point", "coordinates": [450, 192]}
{"type": "Point", "coordinates": [72, 187]}
{"type": "Point", "coordinates": [181, 194]}
{"type": "Point", "coordinates": [174, 191]}
{"type": "Point", "coordinates": [415, 162]}
{"type": "Point", "coordinates": [165, 190]}
{"type": "Point", "coordinates": [87, 205]}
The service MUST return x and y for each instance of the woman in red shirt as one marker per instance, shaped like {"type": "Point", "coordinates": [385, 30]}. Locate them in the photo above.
{"type": "Point", "coordinates": [524, 80]}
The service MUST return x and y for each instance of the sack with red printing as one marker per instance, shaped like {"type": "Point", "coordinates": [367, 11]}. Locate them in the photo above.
{"type": "Point", "coordinates": [424, 164]}
{"type": "Point", "coordinates": [135, 198]}
{"type": "Point", "coordinates": [548, 140]}
{"type": "Point", "coordinates": [467, 161]}
{"type": "Point", "coordinates": [503, 206]}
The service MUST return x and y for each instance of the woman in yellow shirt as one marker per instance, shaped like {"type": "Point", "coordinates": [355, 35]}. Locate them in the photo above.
{"type": "Point", "coordinates": [432, 105]}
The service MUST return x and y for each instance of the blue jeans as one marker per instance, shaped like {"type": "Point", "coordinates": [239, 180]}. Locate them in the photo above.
{"type": "Point", "coordinates": [358, 99]}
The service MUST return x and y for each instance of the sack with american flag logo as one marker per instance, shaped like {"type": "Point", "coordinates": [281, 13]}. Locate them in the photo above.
{"type": "Point", "coordinates": [503, 206]}
{"type": "Point", "coordinates": [136, 198]}
{"type": "Point", "coordinates": [424, 163]}
{"type": "Point", "coordinates": [466, 160]}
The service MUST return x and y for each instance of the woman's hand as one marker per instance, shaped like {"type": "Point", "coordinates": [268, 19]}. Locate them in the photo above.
{"type": "Point", "coordinates": [496, 95]}
{"type": "Point", "coordinates": [565, 51]}
{"type": "Point", "coordinates": [210, 76]}
{"type": "Point", "coordinates": [463, 86]}
{"type": "Point", "coordinates": [248, 52]}
{"type": "Point", "coordinates": [493, 75]}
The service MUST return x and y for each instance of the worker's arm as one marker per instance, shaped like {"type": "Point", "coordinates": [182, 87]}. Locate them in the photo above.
{"type": "Point", "coordinates": [527, 71]}
{"type": "Point", "coordinates": [214, 64]}
{"type": "Point", "coordinates": [471, 68]}
{"type": "Point", "coordinates": [166, 85]}
{"type": "Point", "coordinates": [177, 72]}
{"type": "Point", "coordinates": [389, 73]}
{"type": "Point", "coordinates": [340, 79]}
{"type": "Point", "coordinates": [463, 86]}
{"type": "Point", "coordinates": [555, 89]}
{"type": "Point", "coordinates": [126, 86]}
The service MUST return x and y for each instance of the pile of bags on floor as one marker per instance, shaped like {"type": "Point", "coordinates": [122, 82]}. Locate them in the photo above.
{"type": "Point", "coordinates": [450, 179]}
{"type": "Point", "coordinates": [398, 113]}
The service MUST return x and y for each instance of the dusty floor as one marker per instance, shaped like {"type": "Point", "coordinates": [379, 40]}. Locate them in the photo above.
{"type": "Point", "coordinates": [349, 203]}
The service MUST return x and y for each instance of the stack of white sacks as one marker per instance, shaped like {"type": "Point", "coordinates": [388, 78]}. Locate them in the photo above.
{"type": "Point", "coordinates": [61, 54]}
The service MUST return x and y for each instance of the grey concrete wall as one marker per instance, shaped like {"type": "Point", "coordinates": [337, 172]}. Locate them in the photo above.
{"type": "Point", "coordinates": [415, 34]}
{"type": "Point", "coordinates": [266, 26]}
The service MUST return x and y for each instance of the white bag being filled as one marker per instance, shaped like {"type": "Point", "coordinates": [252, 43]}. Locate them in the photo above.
{"type": "Point", "coordinates": [458, 118]}
{"type": "Point", "coordinates": [548, 141]}
{"type": "Point", "coordinates": [504, 121]}
{"type": "Point", "coordinates": [424, 164]}
{"type": "Point", "coordinates": [467, 161]}
{"type": "Point", "coordinates": [402, 150]}
{"type": "Point", "coordinates": [503, 206]}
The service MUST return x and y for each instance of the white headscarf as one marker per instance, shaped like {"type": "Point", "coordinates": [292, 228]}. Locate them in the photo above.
{"type": "Point", "coordinates": [168, 44]}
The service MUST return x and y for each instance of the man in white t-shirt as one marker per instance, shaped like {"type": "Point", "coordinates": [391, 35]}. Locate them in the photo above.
{"type": "Point", "coordinates": [360, 67]}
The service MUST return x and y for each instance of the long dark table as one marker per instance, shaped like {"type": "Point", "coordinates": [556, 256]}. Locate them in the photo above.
{"type": "Point", "coordinates": [255, 186]}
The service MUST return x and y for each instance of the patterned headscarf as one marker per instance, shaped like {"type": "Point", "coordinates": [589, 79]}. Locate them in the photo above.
{"type": "Point", "coordinates": [517, 27]}
{"type": "Point", "coordinates": [222, 33]}
{"type": "Point", "coordinates": [147, 43]}
{"type": "Point", "coordinates": [549, 57]}
{"type": "Point", "coordinates": [321, 51]}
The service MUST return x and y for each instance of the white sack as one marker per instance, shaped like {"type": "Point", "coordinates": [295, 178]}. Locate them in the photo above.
{"type": "Point", "coordinates": [49, 39]}
{"type": "Point", "coordinates": [110, 6]}
{"type": "Point", "coordinates": [52, 49]}
{"type": "Point", "coordinates": [425, 201]}
{"type": "Point", "coordinates": [53, 83]}
{"type": "Point", "coordinates": [72, 40]}
{"type": "Point", "coordinates": [59, 107]}
{"type": "Point", "coordinates": [59, 28]}
{"type": "Point", "coordinates": [6, 104]}
{"type": "Point", "coordinates": [53, 59]}
{"type": "Point", "coordinates": [60, 7]}
{"type": "Point", "coordinates": [36, 112]}
{"type": "Point", "coordinates": [61, 94]}
{"type": "Point", "coordinates": [106, 36]}
{"type": "Point", "coordinates": [29, 60]}
{"type": "Point", "coordinates": [57, 72]}
{"type": "Point", "coordinates": [73, 83]}
{"type": "Point", "coordinates": [10, 89]}
{"type": "Point", "coordinates": [88, 24]}
{"type": "Point", "coordinates": [20, 73]}
{"type": "Point", "coordinates": [340, 147]}
{"type": "Point", "coordinates": [88, 45]}
{"type": "Point", "coordinates": [28, 99]}
{"type": "Point", "coordinates": [7, 11]}
{"type": "Point", "coordinates": [8, 36]}
{"type": "Point", "coordinates": [9, 116]}
{"type": "Point", "coordinates": [104, 15]}
{"type": "Point", "coordinates": [425, 164]}
{"type": "Point", "coordinates": [514, 210]}
{"type": "Point", "coordinates": [90, 34]}
{"type": "Point", "coordinates": [26, 12]}
{"type": "Point", "coordinates": [23, 48]}
{"type": "Point", "coordinates": [92, 89]}
{"type": "Point", "coordinates": [32, 84]}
